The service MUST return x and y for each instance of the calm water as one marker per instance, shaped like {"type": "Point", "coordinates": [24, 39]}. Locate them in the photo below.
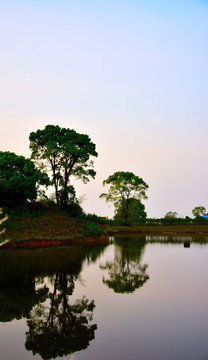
{"type": "Point", "coordinates": [142, 298]}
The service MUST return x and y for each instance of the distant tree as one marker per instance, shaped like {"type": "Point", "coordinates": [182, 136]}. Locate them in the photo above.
{"type": "Point", "coordinates": [136, 212]}
{"type": "Point", "coordinates": [19, 180]}
{"type": "Point", "coordinates": [171, 215]}
{"type": "Point", "coordinates": [198, 211]}
{"type": "Point", "coordinates": [65, 153]}
{"type": "Point", "coordinates": [124, 186]}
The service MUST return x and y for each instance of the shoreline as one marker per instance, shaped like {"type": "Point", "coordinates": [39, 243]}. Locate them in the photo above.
{"type": "Point", "coordinates": [94, 239]}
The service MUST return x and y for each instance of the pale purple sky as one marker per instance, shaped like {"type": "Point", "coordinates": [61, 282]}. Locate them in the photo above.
{"type": "Point", "coordinates": [132, 75]}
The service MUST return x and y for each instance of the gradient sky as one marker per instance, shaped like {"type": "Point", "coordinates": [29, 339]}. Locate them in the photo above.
{"type": "Point", "coordinates": [133, 75]}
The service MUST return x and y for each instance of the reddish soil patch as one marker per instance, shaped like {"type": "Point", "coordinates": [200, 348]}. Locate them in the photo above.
{"type": "Point", "coordinates": [34, 244]}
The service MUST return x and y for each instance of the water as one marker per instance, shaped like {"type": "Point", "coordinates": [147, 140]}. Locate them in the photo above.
{"type": "Point", "coordinates": [133, 298]}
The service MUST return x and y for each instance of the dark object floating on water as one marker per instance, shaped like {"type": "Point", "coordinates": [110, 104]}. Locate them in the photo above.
{"type": "Point", "coordinates": [186, 244]}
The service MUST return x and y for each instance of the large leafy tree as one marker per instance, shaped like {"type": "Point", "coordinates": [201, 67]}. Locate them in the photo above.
{"type": "Point", "coordinates": [19, 180]}
{"type": "Point", "coordinates": [65, 153]}
{"type": "Point", "coordinates": [124, 186]}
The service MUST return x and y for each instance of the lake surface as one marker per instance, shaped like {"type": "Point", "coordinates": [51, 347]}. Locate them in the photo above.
{"type": "Point", "coordinates": [136, 297]}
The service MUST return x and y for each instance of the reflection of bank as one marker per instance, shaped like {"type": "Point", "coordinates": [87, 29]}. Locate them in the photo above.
{"type": "Point", "coordinates": [38, 285]}
{"type": "Point", "coordinates": [126, 273]}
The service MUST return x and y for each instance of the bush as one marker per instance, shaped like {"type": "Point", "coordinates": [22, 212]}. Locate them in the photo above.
{"type": "Point", "coordinates": [93, 218]}
{"type": "Point", "coordinates": [19, 180]}
{"type": "Point", "coordinates": [74, 210]}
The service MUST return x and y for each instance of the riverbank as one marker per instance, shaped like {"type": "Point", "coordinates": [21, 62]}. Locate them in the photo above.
{"type": "Point", "coordinates": [161, 229]}
{"type": "Point", "coordinates": [54, 228]}
{"type": "Point", "coordinates": [50, 226]}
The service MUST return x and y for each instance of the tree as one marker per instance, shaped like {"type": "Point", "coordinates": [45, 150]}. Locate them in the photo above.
{"type": "Point", "coordinates": [198, 211]}
{"type": "Point", "coordinates": [126, 273]}
{"type": "Point", "coordinates": [124, 186]}
{"type": "Point", "coordinates": [136, 212]}
{"type": "Point", "coordinates": [171, 215]}
{"type": "Point", "coordinates": [19, 180]}
{"type": "Point", "coordinates": [65, 153]}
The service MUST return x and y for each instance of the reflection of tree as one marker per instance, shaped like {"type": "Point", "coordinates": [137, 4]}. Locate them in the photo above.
{"type": "Point", "coordinates": [18, 296]}
{"type": "Point", "coordinates": [126, 273]}
{"type": "Point", "coordinates": [61, 328]}
{"type": "Point", "coordinates": [29, 289]}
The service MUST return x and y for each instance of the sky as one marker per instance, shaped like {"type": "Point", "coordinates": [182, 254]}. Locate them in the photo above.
{"type": "Point", "coordinates": [131, 74]}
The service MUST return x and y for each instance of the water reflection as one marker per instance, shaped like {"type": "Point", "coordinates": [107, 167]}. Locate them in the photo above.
{"type": "Point", "coordinates": [126, 273]}
{"type": "Point", "coordinates": [38, 285]}
{"type": "Point", "coordinates": [199, 239]}
{"type": "Point", "coordinates": [43, 287]}
{"type": "Point", "coordinates": [62, 327]}
{"type": "Point", "coordinates": [18, 296]}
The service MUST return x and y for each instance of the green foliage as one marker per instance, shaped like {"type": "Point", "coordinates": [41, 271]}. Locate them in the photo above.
{"type": "Point", "coordinates": [198, 211]}
{"type": "Point", "coordinates": [75, 210]}
{"type": "Point", "coordinates": [124, 186]}
{"type": "Point", "coordinates": [93, 218]}
{"type": "Point", "coordinates": [136, 211]}
{"type": "Point", "coordinates": [65, 153]}
{"type": "Point", "coordinates": [92, 229]}
{"type": "Point", "coordinates": [176, 221]}
{"type": "Point", "coordinates": [19, 180]}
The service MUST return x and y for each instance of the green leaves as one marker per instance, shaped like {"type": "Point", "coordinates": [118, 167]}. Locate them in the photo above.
{"type": "Point", "coordinates": [124, 186]}
{"type": "Point", "coordinates": [65, 153]}
{"type": "Point", "coordinates": [198, 211]}
{"type": "Point", "coordinates": [19, 179]}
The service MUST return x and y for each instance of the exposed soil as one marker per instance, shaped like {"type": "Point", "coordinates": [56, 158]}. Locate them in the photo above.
{"type": "Point", "coordinates": [35, 244]}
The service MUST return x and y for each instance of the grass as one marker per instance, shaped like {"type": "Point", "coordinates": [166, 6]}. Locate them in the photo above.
{"type": "Point", "coordinates": [48, 225]}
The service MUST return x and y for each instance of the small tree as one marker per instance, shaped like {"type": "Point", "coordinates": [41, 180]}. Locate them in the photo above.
{"type": "Point", "coordinates": [198, 211]}
{"type": "Point", "coordinates": [124, 186]}
{"type": "Point", "coordinates": [65, 153]}
{"type": "Point", "coordinates": [19, 180]}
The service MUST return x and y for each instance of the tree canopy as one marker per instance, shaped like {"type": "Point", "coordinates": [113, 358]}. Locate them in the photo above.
{"type": "Point", "coordinates": [124, 186]}
{"type": "Point", "coordinates": [65, 153]}
{"type": "Point", "coordinates": [136, 212]}
{"type": "Point", "coordinates": [198, 211]}
{"type": "Point", "coordinates": [19, 180]}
